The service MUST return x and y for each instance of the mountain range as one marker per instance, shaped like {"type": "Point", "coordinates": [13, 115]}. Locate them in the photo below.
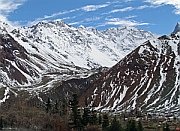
{"type": "Point", "coordinates": [48, 49]}
{"type": "Point", "coordinates": [116, 69]}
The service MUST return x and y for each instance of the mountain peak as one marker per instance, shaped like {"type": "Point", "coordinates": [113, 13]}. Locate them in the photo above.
{"type": "Point", "coordinates": [5, 27]}
{"type": "Point", "coordinates": [177, 28]}
{"type": "Point", "coordinates": [59, 23]}
{"type": "Point", "coordinates": [49, 23]}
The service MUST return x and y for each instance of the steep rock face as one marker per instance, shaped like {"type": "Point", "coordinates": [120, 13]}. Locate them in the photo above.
{"type": "Point", "coordinates": [147, 78]}
{"type": "Point", "coordinates": [22, 65]}
{"type": "Point", "coordinates": [12, 62]}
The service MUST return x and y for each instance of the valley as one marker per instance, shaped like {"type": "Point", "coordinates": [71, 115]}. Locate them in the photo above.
{"type": "Point", "coordinates": [110, 72]}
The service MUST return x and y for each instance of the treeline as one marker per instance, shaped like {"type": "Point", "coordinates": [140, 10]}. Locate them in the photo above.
{"type": "Point", "coordinates": [87, 119]}
{"type": "Point", "coordinates": [63, 115]}
{"type": "Point", "coordinates": [59, 115]}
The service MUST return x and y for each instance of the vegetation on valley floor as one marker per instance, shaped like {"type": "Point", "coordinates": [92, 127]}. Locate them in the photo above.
{"type": "Point", "coordinates": [66, 115]}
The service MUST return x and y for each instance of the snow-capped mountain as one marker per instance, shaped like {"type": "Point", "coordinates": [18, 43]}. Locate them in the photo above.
{"type": "Point", "coordinates": [49, 52]}
{"type": "Point", "coordinates": [147, 78]}
{"type": "Point", "coordinates": [84, 47]}
{"type": "Point", "coordinates": [177, 28]}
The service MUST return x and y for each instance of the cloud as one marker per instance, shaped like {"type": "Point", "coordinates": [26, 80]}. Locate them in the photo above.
{"type": "Point", "coordinates": [58, 13]}
{"type": "Point", "coordinates": [3, 18]}
{"type": "Point", "coordinates": [104, 19]}
{"type": "Point", "coordinates": [92, 19]}
{"type": "Point", "coordinates": [130, 16]}
{"type": "Point", "coordinates": [122, 10]}
{"type": "Point", "coordinates": [52, 16]}
{"type": "Point", "coordinates": [175, 3]}
{"type": "Point", "coordinates": [143, 7]}
{"type": "Point", "coordinates": [123, 22]}
{"type": "Point", "coordinates": [89, 8]}
{"type": "Point", "coordinates": [129, 8]}
{"type": "Point", "coordinates": [8, 6]}
{"type": "Point", "coordinates": [75, 23]}
{"type": "Point", "coordinates": [128, 0]}
{"type": "Point", "coordinates": [85, 21]}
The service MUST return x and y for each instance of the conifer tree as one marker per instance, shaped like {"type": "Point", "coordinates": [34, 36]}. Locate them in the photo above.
{"type": "Point", "coordinates": [56, 107]}
{"type": "Point", "coordinates": [139, 126]}
{"type": "Point", "coordinates": [166, 127]}
{"type": "Point", "coordinates": [63, 107]}
{"type": "Point", "coordinates": [115, 125]}
{"type": "Point", "coordinates": [131, 125]}
{"type": "Point", "coordinates": [86, 114]}
{"type": "Point", "coordinates": [75, 112]}
{"type": "Point", "coordinates": [1, 123]}
{"type": "Point", "coordinates": [79, 124]}
{"type": "Point", "coordinates": [48, 105]}
{"type": "Point", "coordinates": [100, 119]}
{"type": "Point", "coordinates": [105, 122]}
{"type": "Point", "coordinates": [74, 106]}
{"type": "Point", "coordinates": [94, 117]}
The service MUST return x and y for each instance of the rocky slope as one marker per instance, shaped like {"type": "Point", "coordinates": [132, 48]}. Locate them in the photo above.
{"type": "Point", "coordinates": [147, 78]}
{"type": "Point", "coordinates": [36, 59]}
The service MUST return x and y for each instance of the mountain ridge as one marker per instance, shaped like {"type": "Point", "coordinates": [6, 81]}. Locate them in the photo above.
{"type": "Point", "coordinates": [57, 47]}
{"type": "Point", "coordinates": [147, 78]}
